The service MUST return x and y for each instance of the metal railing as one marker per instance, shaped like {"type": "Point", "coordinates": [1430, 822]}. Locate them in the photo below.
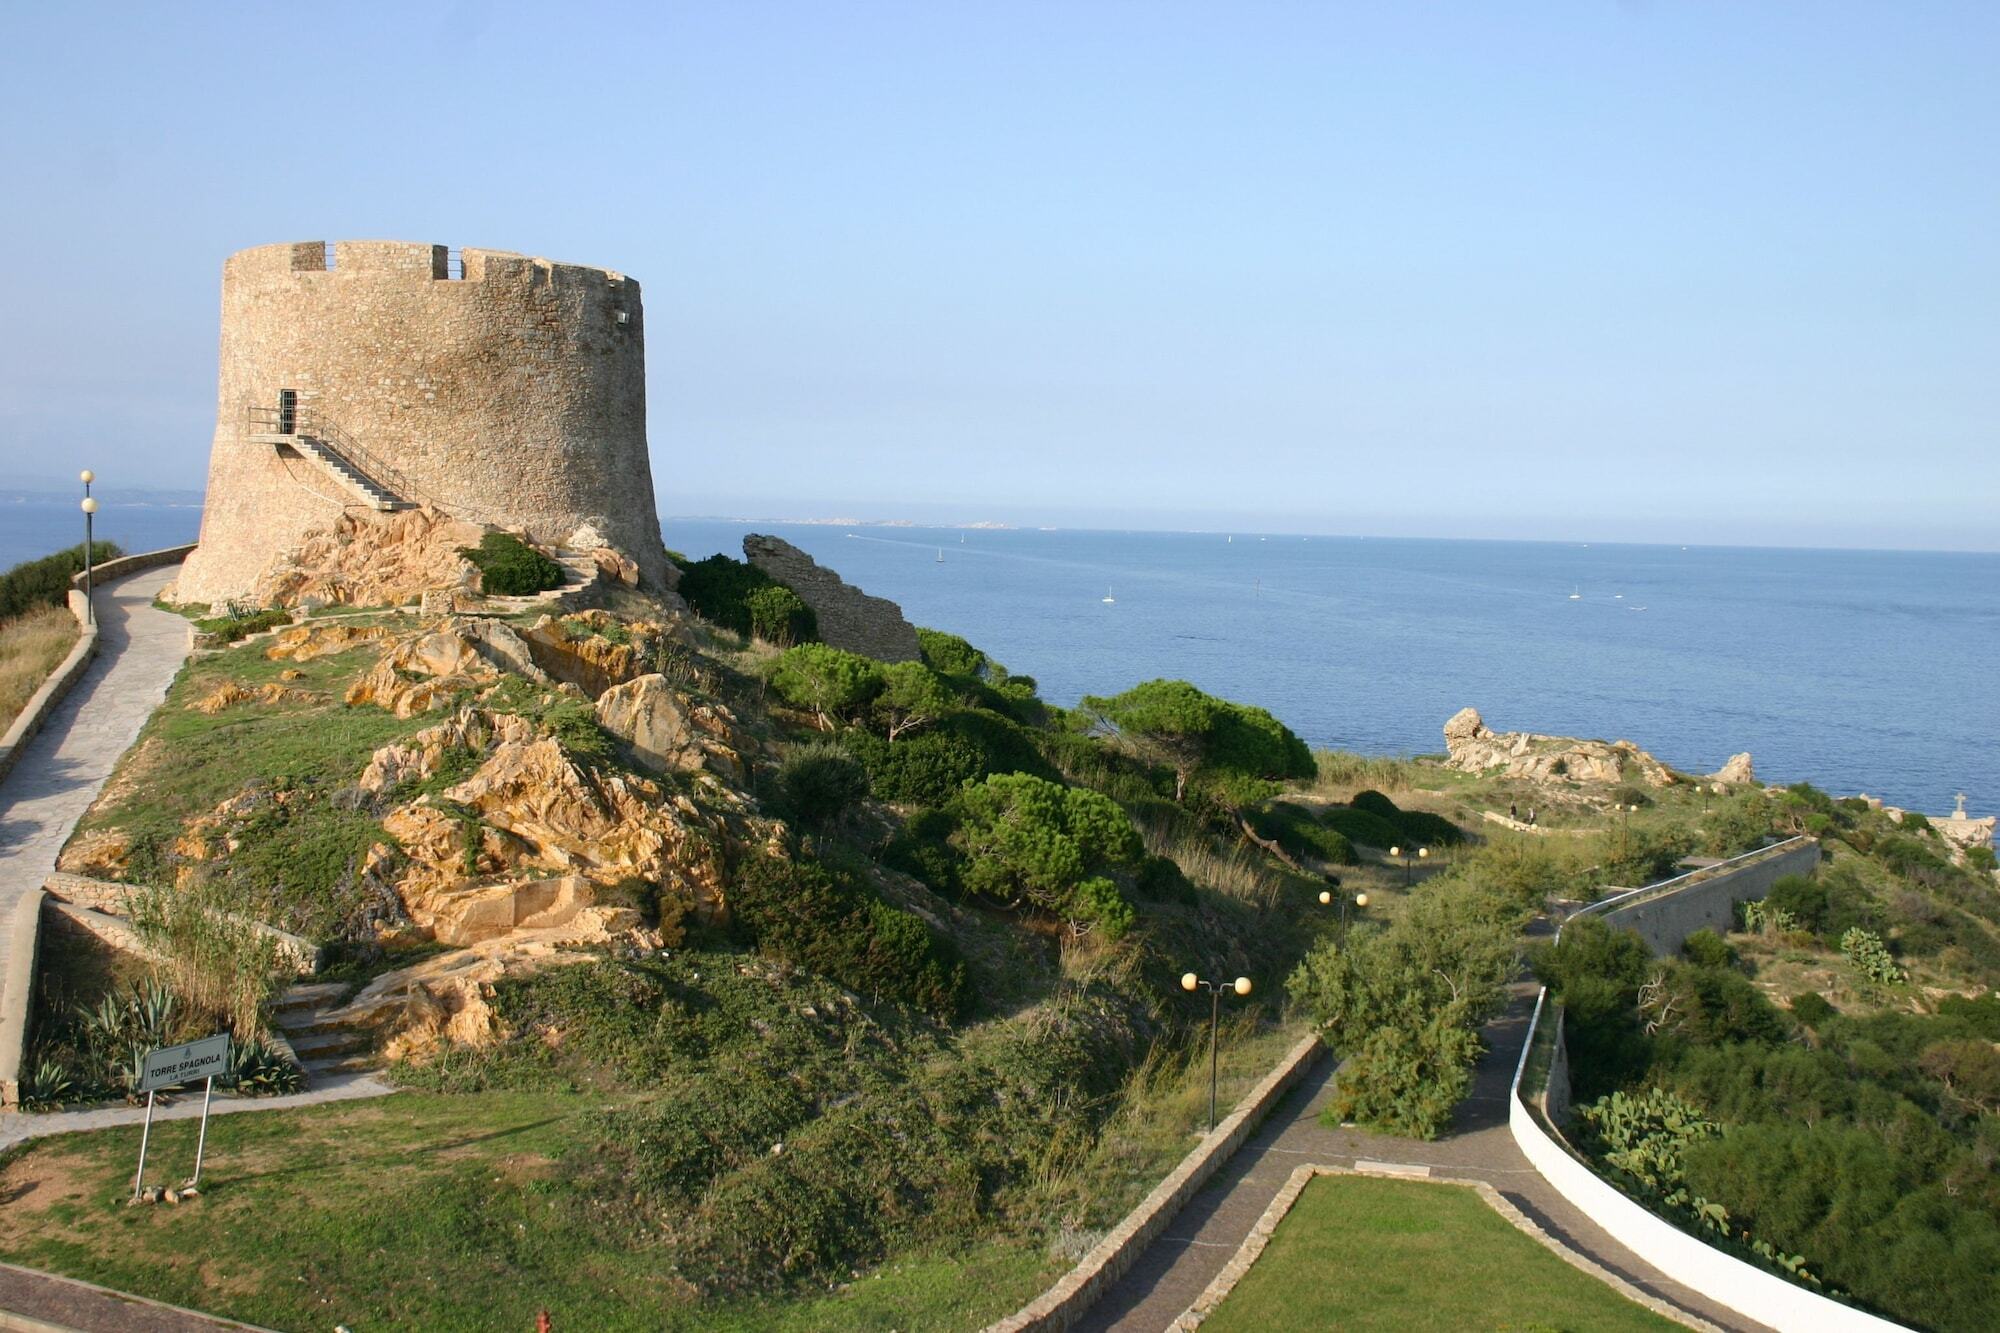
{"type": "Point", "coordinates": [303, 421]}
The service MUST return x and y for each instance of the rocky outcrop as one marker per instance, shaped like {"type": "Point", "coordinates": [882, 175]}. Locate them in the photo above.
{"type": "Point", "coordinates": [1473, 747]}
{"type": "Point", "coordinates": [848, 617]}
{"type": "Point", "coordinates": [449, 999]}
{"type": "Point", "coordinates": [433, 667]}
{"type": "Point", "coordinates": [302, 643]}
{"type": "Point", "coordinates": [1737, 772]}
{"type": "Point", "coordinates": [471, 730]}
{"type": "Point", "coordinates": [594, 650]}
{"type": "Point", "coordinates": [373, 559]}
{"type": "Point", "coordinates": [531, 838]}
{"type": "Point", "coordinates": [230, 693]}
{"type": "Point", "coordinates": [669, 731]}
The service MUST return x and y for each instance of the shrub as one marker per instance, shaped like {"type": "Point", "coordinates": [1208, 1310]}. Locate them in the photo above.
{"type": "Point", "coordinates": [1916, 822]}
{"type": "Point", "coordinates": [819, 785]}
{"type": "Point", "coordinates": [31, 646]}
{"type": "Point", "coordinates": [1294, 829]}
{"type": "Point", "coordinates": [1981, 858]}
{"type": "Point", "coordinates": [1802, 898]}
{"type": "Point", "coordinates": [1096, 904]}
{"type": "Point", "coordinates": [509, 567]}
{"type": "Point", "coordinates": [922, 850]}
{"type": "Point", "coordinates": [779, 615]}
{"type": "Point", "coordinates": [925, 769]}
{"type": "Point", "coordinates": [831, 682]}
{"type": "Point", "coordinates": [1030, 840]}
{"type": "Point", "coordinates": [1705, 948]}
{"type": "Point", "coordinates": [1812, 1009]}
{"type": "Point", "coordinates": [1375, 803]}
{"type": "Point", "coordinates": [1359, 826]}
{"type": "Point", "coordinates": [45, 582]}
{"type": "Point", "coordinates": [949, 654]}
{"type": "Point", "coordinates": [800, 912]}
{"type": "Point", "coordinates": [1161, 878]}
{"type": "Point", "coordinates": [730, 593]}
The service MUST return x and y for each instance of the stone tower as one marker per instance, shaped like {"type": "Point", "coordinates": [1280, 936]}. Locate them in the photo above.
{"type": "Point", "coordinates": [382, 375]}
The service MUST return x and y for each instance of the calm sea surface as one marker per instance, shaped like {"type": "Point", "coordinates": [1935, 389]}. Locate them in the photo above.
{"type": "Point", "coordinates": [1859, 671]}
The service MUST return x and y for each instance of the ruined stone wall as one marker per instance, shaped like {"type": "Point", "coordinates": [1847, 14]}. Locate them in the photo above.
{"type": "Point", "coordinates": [848, 617]}
{"type": "Point", "coordinates": [514, 395]}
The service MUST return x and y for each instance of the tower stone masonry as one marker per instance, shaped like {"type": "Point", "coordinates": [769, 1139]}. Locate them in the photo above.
{"type": "Point", "coordinates": [380, 375]}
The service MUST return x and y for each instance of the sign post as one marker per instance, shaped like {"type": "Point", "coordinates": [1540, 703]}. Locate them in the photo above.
{"type": "Point", "coordinates": [170, 1067]}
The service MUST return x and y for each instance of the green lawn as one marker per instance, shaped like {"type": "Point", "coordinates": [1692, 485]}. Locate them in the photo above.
{"type": "Point", "coordinates": [423, 1211]}
{"type": "Point", "coordinates": [1359, 1253]}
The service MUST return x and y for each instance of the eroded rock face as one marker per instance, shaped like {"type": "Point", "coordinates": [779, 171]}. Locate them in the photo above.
{"type": "Point", "coordinates": [594, 650]}
{"type": "Point", "coordinates": [1737, 772]}
{"type": "Point", "coordinates": [432, 667]}
{"type": "Point", "coordinates": [1473, 747]}
{"type": "Point", "coordinates": [470, 729]}
{"type": "Point", "coordinates": [230, 693]}
{"type": "Point", "coordinates": [530, 815]}
{"type": "Point", "coordinates": [848, 617]}
{"type": "Point", "coordinates": [449, 999]}
{"type": "Point", "coordinates": [668, 731]}
{"type": "Point", "coordinates": [302, 643]}
{"type": "Point", "coordinates": [371, 559]}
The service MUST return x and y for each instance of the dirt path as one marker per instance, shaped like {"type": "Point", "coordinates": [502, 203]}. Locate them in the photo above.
{"type": "Point", "coordinates": [1179, 1265]}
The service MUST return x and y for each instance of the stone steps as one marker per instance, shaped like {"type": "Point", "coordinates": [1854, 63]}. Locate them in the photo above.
{"type": "Point", "coordinates": [322, 1044]}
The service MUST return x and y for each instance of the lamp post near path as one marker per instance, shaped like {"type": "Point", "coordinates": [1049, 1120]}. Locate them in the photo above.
{"type": "Point", "coordinates": [89, 512]}
{"type": "Point", "coordinates": [1241, 986]}
{"type": "Point", "coordinates": [1421, 853]}
{"type": "Point", "coordinates": [1360, 900]}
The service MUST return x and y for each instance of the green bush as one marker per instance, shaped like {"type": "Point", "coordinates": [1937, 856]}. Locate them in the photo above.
{"type": "Point", "coordinates": [1803, 898]}
{"type": "Point", "coordinates": [1705, 948]}
{"type": "Point", "coordinates": [45, 582]}
{"type": "Point", "coordinates": [779, 615]}
{"type": "Point", "coordinates": [1097, 904]}
{"type": "Point", "coordinates": [1361, 827]}
{"type": "Point", "coordinates": [1375, 803]}
{"type": "Point", "coordinates": [819, 785]}
{"type": "Point", "coordinates": [509, 567]}
{"type": "Point", "coordinates": [832, 683]}
{"type": "Point", "coordinates": [800, 912]}
{"type": "Point", "coordinates": [738, 596]}
{"type": "Point", "coordinates": [1812, 1009]}
{"type": "Point", "coordinates": [1294, 829]}
{"type": "Point", "coordinates": [948, 654]}
{"type": "Point", "coordinates": [1027, 840]}
{"type": "Point", "coordinates": [1418, 828]}
{"type": "Point", "coordinates": [924, 769]}
{"type": "Point", "coordinates": [922, 850]}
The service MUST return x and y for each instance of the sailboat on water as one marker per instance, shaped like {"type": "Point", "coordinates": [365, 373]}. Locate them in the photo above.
{"type": "Point", "coordinates": [1108, 599]}
{"type": "Point", "coordinates": [940, 558]}
{"type": "Point", "coordinates": [1576, 594]}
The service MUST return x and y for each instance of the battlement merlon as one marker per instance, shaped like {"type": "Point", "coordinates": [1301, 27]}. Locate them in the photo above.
{"type": "Point", "coordinates": [311, 260]}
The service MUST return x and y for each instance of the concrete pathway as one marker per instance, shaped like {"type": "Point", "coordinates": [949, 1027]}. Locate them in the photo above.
{"type": "Point", "coordinates": [1176, 1268]}
{"type": "Point", "coordinates": [186, 1105]}
{"type": "Point", "coordinates": [60, 771]}
{"type": "Point", "coordinates": [39, 1303]}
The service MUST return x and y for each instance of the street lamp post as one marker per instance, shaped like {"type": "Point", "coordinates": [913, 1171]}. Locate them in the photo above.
{"type": "Point", "coordinates": [1191, 982]}
{"type": "Point", "coordinates": [1421, 853]}
{"type": "Point", "coordinates": [1625, 812]}
{"type": "Point", "coordinates": [89, 512]}
{"type": "Point", "coordinates": [1326, 900]}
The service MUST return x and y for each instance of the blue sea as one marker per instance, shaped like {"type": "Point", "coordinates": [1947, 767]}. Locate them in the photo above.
{"type": "Point", "coordinates": [1859, 671]}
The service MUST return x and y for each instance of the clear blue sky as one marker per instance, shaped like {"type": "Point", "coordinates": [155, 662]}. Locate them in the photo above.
{"type": "Point", "coordinates": [1654, 271]}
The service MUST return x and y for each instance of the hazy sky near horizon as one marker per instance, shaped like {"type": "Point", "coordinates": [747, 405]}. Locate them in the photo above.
{"type": "Point", "coordinates": [1715, 272]}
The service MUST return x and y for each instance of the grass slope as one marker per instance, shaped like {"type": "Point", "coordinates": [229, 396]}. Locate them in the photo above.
{"type": "Point", "coordinates": [1357, 1253]}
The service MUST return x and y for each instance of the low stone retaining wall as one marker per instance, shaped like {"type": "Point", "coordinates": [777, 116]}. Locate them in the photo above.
{"type": "Point", "coordinates": [1064, 1303]}
{"type": "Point", "coordinates": [1267, 1225]}
{"type": "Point", "coordinates": [18, 995]}
{"type": "Point", "coordinates": [112, 899]}
{"type": "Point", "coordinates": [1665, 914]}
{"type": "Point", "coordinates": [72, 667]}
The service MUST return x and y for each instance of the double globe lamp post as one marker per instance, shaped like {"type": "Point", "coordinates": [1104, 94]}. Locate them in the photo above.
{"type": "Point", "coordinates": [1360, 901]}
{"type": "Point", "coordinates": [89, 512]}
{"type": "Point", "coordinates": [1241, 986]}
{"type": "Point", "coordinates": [1404, 854]}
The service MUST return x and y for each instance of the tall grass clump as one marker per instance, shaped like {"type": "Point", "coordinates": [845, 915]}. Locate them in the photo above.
{"type": "Point", "coordinates": [31, 646]}
{"type": "Point", "coordinates": [219, 963]}
{"type": "Point", "coordinates": [1237, 873]}
{"type": "Point", "coordinates": [1340, 773]}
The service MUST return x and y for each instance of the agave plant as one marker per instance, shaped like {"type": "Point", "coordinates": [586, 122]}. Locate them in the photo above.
{"type": "Point", "coordinates": [131, 1072]}
{"type": "Point", "coordinates": [152, 1006]}
{"type": "Point", "coordinates": [48, 1086]}
{"type": "Point", "coordinates": [263, 1071]}
{"type": "Point", "coordinates": [104, 1023]}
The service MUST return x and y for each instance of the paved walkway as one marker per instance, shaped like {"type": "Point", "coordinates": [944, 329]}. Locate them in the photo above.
{"type": "Point", "coordinates": [1176, 1268]}
{"type": "Point", "coordinates": [186, 1105]}
{"type": "Point", "coordinates": [44, 1304]}
{"type": "Point", "coordinates": [60, 771]}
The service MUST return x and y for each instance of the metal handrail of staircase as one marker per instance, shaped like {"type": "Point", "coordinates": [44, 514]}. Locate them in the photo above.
{"type": "Point", "coordinates": [328, 434]}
